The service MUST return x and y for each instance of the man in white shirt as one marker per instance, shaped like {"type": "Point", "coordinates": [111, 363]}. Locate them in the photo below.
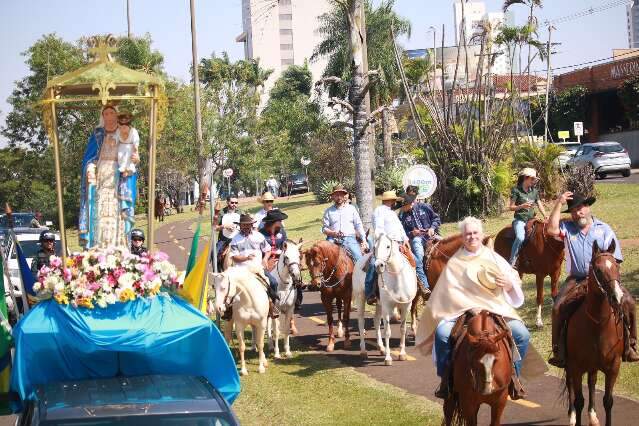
{"type": "Point", "coordinates": [385, 221]}
{"type": "Point", "coordinates": [273, 186]}
{"type": "Point", "coordinates": [250, 248]}
{"type": "Point", "coordinates": [343, 225]}
{"type": "Point", "coordinates": [267, 205]}
{"type": "Point", "coordinates": [459, 290]}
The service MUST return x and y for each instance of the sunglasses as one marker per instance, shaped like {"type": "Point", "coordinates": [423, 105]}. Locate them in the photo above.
{"type": "Point", "coordinates": [137, 239]}
{"type": "Point", "coordinates": [232, 202]}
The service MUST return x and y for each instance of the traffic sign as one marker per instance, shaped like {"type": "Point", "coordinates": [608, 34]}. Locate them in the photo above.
{"type": "Point", "coordinates": [564, 134]}
{"type": "Point", "coordinates": [579, 128]}
{"type": "Point", "coordinates": [227, 173]}
{"type": "Point", "coordinates": [423, 177]}
{"type": "Point", "coordinates": [305, 161]}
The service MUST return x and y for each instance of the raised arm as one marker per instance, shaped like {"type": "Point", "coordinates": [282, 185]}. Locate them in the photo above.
{"type": "Point", "coordinates": [555, 214]}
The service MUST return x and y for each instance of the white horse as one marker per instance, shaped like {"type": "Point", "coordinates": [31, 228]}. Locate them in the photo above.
{"type": "Point", "coordinates": [397, 289]}
{"type": "Point", "coordinates": [288, 274]}
{"type": "Point", "coordinates": [240, 288]}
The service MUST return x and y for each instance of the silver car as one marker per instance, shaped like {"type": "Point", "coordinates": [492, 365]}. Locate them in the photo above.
{"type": "Point", "coordinates": [570, 148]}
{"type": "Point", "coordinates": [604, 158]}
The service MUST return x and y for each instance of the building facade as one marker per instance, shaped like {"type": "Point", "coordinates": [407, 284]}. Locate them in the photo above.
{"type": "Point", "coordinates": [633, 24]}
{"type": "Point", "coordinates": [282, 33]}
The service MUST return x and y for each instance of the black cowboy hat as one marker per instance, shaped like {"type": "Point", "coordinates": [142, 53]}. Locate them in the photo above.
{"type": "Point", "coordinates": [274, 215]}
{"type": "Point", "coordinates": [245, 219]}
{"type": "Point", "coordinates": [579, 200]}
{"type": "Point", "coordinates": [406, 200]}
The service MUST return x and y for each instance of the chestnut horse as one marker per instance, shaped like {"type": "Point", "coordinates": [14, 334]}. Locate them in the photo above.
{"type": "Point", "coordinates": [331, 269]}
{"type": "Point", "coordinates": [542, 256]}
{"type": "Point", "coordinates": [437, 255]}
{"type": "Point", "coordinates": [594, 338]}
{"type": "Point", "coordinates": [481, 369]}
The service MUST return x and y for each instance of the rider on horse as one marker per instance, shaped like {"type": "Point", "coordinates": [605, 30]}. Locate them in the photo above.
{"type": "Point", "coordinates": [226, 223]}
{"type": "Point", "coordinates": [579, 235]}
{"type": "Point", "coordinates": [250, 249]}
{"type": "Point", "coordinates": [385, 221]}
{"type": "Point", "coordinates": [474, 278]}
{"type": "Point", "coordinates": [267, 205]}
{"type": "Point", "coordinates": [342, 224]}
{"type": "Point", "coordinates": [420, 223]}
{"type": "Point", "coordinates": [522, 201]}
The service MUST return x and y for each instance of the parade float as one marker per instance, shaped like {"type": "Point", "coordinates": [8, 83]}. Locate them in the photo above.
{"type": "Point", "coordinates": [104, 312]}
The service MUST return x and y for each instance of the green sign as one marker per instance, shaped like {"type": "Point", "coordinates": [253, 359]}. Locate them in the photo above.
{"type": "Point", "coordinates": [564, 134]}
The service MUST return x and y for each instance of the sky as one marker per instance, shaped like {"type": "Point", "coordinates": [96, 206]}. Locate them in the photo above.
{"type": "Point", "coordinates": [22, 22]}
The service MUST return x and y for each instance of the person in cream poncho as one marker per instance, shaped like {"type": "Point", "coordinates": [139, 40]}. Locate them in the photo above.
{"type": "Point", "coordinates": [464, 285]}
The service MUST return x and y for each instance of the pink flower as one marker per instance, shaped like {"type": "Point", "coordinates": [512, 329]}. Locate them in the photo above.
{"type": "Point", "coordinates": [55, 261]}
{"type": "Point", "coordinates": [94, 287]}
{"type": "Point", "coordinates": [112, 280]}
{"type": "Point", "coordinates": [149, 275]}
{"type": "Point", "coordinates": [67, 275]}
{"type": "Point", "coordinates": [160, 256]}
{"type": "Point", "coordinates": [118, 272]}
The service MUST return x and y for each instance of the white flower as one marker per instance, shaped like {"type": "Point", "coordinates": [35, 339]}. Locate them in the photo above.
{"type": "Point", "coordinates": [37, 286]}
{"type": "Point", "coordinates": [110, 298]}
{"type": "Point", "coordinates": [126, 280]}
{"type": "Point", "coordinates": [111, 261]}
{"type": "Point", "coordinates": [101, 302]}
{"type": "Point", "coordinates": [59, 287]}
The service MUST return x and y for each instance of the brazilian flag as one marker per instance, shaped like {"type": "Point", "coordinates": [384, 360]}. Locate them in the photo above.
{"type": "Point", "coordinates": [5, 346]}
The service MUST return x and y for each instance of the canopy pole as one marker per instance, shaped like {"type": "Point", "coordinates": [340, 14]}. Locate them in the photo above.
{"type": "Point", "coordinates": [151, 193]}
{"type": "Point", "coordinates": [58, 175]}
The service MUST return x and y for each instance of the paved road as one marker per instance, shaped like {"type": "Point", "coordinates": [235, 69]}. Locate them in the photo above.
{"type": "Point", "coordinates": [633, 178]}
{"type": "Point", "coordinates": [543, 406]}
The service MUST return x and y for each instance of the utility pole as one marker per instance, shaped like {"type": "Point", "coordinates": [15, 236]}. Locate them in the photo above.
{"type": "Point", "coordinates": [548, 75]}
{"type": "Point", "coordinates": [196, 98]}
{"type": "Point", "coordinates": [128, 18]}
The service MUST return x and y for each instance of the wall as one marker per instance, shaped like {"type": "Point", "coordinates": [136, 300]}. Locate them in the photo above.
{"type": "Point", "coordinates": [629, 140]}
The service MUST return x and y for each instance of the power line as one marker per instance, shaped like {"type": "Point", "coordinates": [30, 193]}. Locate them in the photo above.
{"type": "Point", "coordinates": [589, 62]}
{"type": "Point", "coordinates": [587, 12]}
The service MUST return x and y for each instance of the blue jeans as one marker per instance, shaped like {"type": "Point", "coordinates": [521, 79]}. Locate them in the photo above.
{"type": "Point", "coordinates": [519, 227]}
{"type": "Point", "coordinates": [350, 243]}
{"type": "Point", "coordinates": [417, 246]}
{"type": "Point", "coordinates": [371, 274]}
{"type": "Point", "coordinates": [271, 280]}
{"type": "Point", "coordinates": [443, 349]}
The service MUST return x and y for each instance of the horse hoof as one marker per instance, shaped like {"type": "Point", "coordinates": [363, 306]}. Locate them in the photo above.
{"type": "Point", "coordinates": [288, 355]}
{"type": "Point", "coordinates": [244, 372]}
{"type": "Point", "coordinates": [261, 369]}
{"type": "Point", "coordinates": [277, 356]}
{"type": "Point", "coordinates": [388, 362]}
{"type": "Point", "coordinates": [592, 418]}
{"type": "Point", "coordinates": [363, 355]}
{"type": "Point", "coordinates": [540, 324]}
{"type": "Point", "coordinates": [402, 357]}
{"type": "Point", "coordinates": [347, 344]}
{"type": "Point", "coordinates": [330, 347]}
{"type": "Point", "coordinates": [265, 362]}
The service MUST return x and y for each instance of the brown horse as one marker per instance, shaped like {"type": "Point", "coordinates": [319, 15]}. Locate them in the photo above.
{"type": "Point", "coordinates": [437, 255]}
{"type": "Point", "coordinates": [331, 269]}
{"type": "Point", "coordinates": [542, 256]}
{"type": "Point", "coordinates": [481, 371]}
{"type": "Point", "coordinates": [159, 208]}
{"type": "Point", "coordinates": [594, 339]}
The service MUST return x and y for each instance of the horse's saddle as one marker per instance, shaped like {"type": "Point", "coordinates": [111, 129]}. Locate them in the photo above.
{"type": "Point", "coordinates": [509, 234]}
{"type": "Point", "coordinates": [407, 254]}
{"type": "Point", "coordinates": [461, 328]}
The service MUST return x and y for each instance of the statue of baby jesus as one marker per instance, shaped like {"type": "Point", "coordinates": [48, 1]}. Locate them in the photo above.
{"type": "Point", "coordinates": [128, 143]}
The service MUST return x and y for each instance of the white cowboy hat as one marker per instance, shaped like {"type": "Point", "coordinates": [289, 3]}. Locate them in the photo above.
{"type": "Point", "coordinates": [483, 272]}
{"type": "Point", "coordinates": [529, 171]}
{"type": "Point", "coordinates": [389, 196]}
{"type": "Point", "coordinates": [267, 196]}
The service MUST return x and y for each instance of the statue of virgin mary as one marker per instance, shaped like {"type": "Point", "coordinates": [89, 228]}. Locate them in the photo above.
{"type": "Point", "coordinates": [107, 195]}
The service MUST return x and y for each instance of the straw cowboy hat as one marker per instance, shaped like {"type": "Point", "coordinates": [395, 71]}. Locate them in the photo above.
{"type": "Point", "coordinates": [529, 172]}
{"type": "Point", "coordinates": [339, 188]}
{"type": "Point", "coordinates": [267, 196]}
{"type": "Point", "coordinates": [390, 196]}
{"type": "Point", "coordinates": [483, 272]}
{"type": "Point", "coordinates": [245, 219]}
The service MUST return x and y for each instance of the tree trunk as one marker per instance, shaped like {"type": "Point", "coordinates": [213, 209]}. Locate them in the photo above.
{"type": "Point", "coordinates": [361, 151]}
{"type": "Point", "coordinates": [387, 137]}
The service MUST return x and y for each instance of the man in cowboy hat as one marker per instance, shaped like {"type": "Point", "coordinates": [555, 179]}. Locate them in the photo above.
{"type": "Point", "coordinates": [579, 235]}
{"type": "Point", "coordinates": [250, 249]}
{"type": "Point", "coordinates": [476, 277]}
{"type": "Point", "coordinates": [342, 223]}
{"type": "Point", "coordinates": [523, 198]}
{"type": "Point", "coordinates": [385, 221]}
{"type": "Point", "coordinates": [267, 200]}
{"type": "Point", "coordinates": [420, 223]}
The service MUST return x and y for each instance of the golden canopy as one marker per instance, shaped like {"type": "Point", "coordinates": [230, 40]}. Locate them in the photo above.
{"type": "Point", "coordinates": [105, 81]}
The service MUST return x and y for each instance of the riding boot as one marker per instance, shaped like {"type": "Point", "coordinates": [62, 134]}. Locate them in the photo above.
{"type": "Point", "coordinates": [444, 387]}
{"type": "Point", "coordinates": [298, 299]}
{"type": "Point", "coordinates": [273, 310]}
{"type": "Point", "coordinates": [515, 388]}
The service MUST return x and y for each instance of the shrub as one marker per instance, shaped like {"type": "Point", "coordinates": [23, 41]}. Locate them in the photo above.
{"type": "Point", "coordinates": [388, 179]}
{"type": "Point", "coordinates": [331, 157]}
{"type": "Point", "coordinates": [580, 180]}
{"type": "Point", "coordinates": [323, 192]}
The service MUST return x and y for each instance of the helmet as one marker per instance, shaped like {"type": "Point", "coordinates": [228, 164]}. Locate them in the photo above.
{"type": "Point", "coordinates": [137, 233]}
{"type": "Point", "coordinates": [47, 236]}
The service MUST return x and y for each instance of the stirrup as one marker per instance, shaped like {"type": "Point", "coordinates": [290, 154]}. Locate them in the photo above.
{"type": "Point", "coordinates": [515, 388]}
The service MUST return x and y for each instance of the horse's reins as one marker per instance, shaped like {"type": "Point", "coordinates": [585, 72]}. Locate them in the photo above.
{"type": "Point", "coordinates": [323, 280]}
{"type": "Point", "coordinates": [619, 314]}
{"type": "Point", "coordinates": [288, 267]}
{"type": "Point", "coordinates": [381, 276]}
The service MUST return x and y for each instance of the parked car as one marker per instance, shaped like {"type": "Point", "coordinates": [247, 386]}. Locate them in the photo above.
{"type": "Point", "coordinates": [20, 220]}
{"type": "Point", "coordinates": [570, 148]}
{"type": "Point", "coordinates": [297, 183]}
{"type": "Point", "coordinates": [29, 241]}
{"type": "Point", "coordinates": [604, 158]}
{"type": "Point", "coordinates": [154, 400]}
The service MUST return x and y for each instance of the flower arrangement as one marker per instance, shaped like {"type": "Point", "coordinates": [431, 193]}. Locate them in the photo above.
{"type": "Point", "coordinates": [105, 276]}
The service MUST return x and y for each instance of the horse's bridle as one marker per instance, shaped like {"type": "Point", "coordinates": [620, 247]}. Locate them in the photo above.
{"type": "Point", "coordinates": [618, 312]}
{"type": "Point", "coordinates": [228, 299]}
{"type": "Point", "coordinates": [321, 278]}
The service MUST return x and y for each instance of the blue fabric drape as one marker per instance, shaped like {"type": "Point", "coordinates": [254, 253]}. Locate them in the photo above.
{"type": "Point", "coordinates": [91, 154]}
{"type": "Point", "coordinates": [160, 335]}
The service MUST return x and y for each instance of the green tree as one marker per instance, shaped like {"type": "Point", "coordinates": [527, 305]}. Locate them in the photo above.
{"type": "Point", "coordinates": [629, 95]}
{"type": "Point", "coordinates": [295, 81]}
